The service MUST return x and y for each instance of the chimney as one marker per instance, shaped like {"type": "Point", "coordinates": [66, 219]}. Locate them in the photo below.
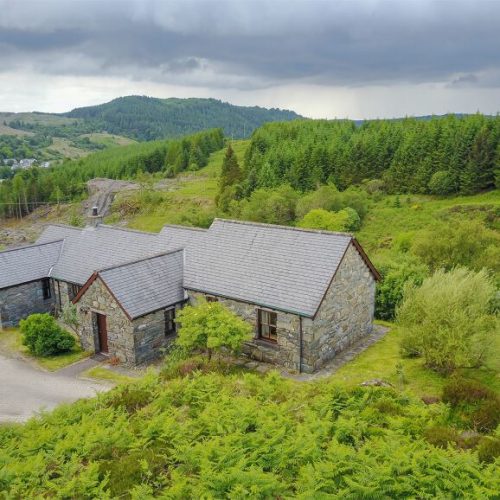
{"type": "Point", "coordinates": [94, 219]}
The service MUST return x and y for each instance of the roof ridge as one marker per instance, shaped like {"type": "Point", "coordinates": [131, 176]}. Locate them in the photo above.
{"type": "Point", "coordinates": [32, 246]}
{"type": "Point", "coordinates": [289, 228]}
{"type": "Point", "coordinates": [65, 226]}
{"type": "Point", "coordinates": [190, 228]}
{"type": "Point", "coordinates": [128, 230]}
{"type": "Point", "coordinates": [136, 261]}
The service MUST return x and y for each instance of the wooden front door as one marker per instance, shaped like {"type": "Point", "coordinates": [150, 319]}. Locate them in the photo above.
{"type": "Point", "coordinates": [102, 332]}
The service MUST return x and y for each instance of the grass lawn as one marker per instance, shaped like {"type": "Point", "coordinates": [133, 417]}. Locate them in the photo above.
{"type": "Point", "coordinates": [381, 360]}
{"type": "Point", "coordinates": [10, 338]}
{"type": "Point", "coordinates": [101, 373]}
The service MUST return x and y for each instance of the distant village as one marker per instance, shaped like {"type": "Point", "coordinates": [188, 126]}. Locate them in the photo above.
{"type": "Point", "coordinates": [24, 163]}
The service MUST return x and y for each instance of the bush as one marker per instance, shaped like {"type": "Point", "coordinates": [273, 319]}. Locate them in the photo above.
{"type": "Point", "coordinates": [458, 391]}
{"type": "Point", "coordinates": [212, 327]}
{"type": "Point", "coordinates": [442, 183]}
{"type": "Point", "coordinates": [487, 416]}
{"type": "Point", "coordinates": [447, 319]}
{"type": "Point", "coordinates": [458, 243]}
{"type": "Point", "coordinates": [390, 290]}
{"type": "Point", "coordinates": [441, 436]}
{"type": "Point", "coordinates": [488, 449]}
{"type": "Point", "coordinates": [274, 206]}
{"type": "Point", "coordinates": [44, 337]}
{"type": "Point", "coordinates": [344, 220]}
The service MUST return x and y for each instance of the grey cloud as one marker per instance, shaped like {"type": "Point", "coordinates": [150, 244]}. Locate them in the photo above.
{"type": "Point", "coordinates": [255, 44]}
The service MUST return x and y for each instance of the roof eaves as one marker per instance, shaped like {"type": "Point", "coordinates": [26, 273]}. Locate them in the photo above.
{"type": "Point", "coordinates": [31, 246]}
{"type": "Point", "coordinates": [259, 304]}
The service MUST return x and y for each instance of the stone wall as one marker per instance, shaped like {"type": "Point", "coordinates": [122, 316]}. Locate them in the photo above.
{"type": "Point", "coordinates": [61, 292]}
{"type": "Point", "coordinates": [133, 342]}
{"type": "Point", "coordinates": [149, 336]}
{"type": "Point", "coordinates": [16, 303]}
{"type": "Point", "coordinates": [345, 315]}
{"type": "Point", "coordinates": [285, 352]}
{"type": "Point", "coordinates": [97, 299]}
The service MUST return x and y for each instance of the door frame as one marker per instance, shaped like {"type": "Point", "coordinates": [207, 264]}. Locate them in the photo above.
{"type": "Point", "coordinates": [101, 333]}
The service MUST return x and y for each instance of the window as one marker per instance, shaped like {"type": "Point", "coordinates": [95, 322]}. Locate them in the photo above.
{"type": "Point", "coordinates": [73, 290]}
{"type": "Point", "coordinates": [266, 324]}
{"type": "Point", "coordinates": [211, 298]}
{"type": "Point", "coordinates": [170, 321]}
{"type": "Point", "coordinates": [47, 293]}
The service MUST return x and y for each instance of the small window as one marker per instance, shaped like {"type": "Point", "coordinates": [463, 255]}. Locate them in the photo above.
{"type": "Point", "coordinates": [169, 321]}
{"type": "Point", "coordinates": [267, 325]}
{"type": "Point", "coordinates": [47, 292]}
{"type": "Point", "coordinates": [211, 298]}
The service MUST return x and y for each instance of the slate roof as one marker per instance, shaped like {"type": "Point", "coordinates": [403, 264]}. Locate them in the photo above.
{"type": "Point", "coordinates": [30, 263]}
{"type": "Point", "coordinates": [278, 267]}
{"type": "Point", "coordinates": [90, 249]}
{"type": "Point", "coordinates": [147, 285]}
{"type": "Point", "coordinates": [173, 236]}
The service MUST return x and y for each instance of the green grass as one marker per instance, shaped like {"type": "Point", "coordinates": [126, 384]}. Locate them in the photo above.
{"type": "Point", "coordinates": [11, 340]}
{"type": "Point", "coordinates": [382, 358]}
{"type": "Point", "coordinates": [101, 373]}
{"type": "Point", "coordinates": [193, 196]}
{"type": "Point", "coordinates": [384, 221]}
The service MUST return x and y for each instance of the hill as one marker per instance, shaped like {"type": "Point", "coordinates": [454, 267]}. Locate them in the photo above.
{"type": "Point", "coordinates": [148, 118]}
{"type": "Point", "coordinates": [50, 136]}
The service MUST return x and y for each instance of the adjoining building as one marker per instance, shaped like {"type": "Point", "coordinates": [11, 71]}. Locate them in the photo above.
{"type": "Point", "coordinates": [308, 294]}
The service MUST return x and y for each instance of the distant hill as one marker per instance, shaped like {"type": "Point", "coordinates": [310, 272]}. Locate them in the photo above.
{"type": "Point", "coordinates": [147, 118]}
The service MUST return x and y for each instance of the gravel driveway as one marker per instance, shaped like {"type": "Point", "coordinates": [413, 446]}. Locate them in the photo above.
{"type": "Point", "coordinates": [24, 390]}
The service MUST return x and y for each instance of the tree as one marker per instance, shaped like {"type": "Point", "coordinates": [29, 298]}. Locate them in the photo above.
{"type": "Point", "coordinates": [442, 183]}
{"type": "Point", "coordinates": [448, 319]}
{"type": "Point", "coordinates": [212, 327]}
{"type": "Point", "coordinates": [230, 176]}
{"type": "Point", "coordinates": [44, 337]}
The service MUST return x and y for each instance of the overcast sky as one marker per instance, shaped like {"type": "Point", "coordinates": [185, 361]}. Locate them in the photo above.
{"type": "Point", "coordinates": [324, 59]}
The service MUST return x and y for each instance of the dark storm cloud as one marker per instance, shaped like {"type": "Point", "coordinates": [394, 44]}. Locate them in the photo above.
{"type": "Point", "coordinates": [250, 44]}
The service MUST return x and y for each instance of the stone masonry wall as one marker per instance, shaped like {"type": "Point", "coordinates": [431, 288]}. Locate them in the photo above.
{"type": "Point", "coordinates": [61, 292]}
{"type": "Point", "coordinates": [286, 350]}
{"type": "Point", "coordinates": [17, 303]}
{"type": "Point", "coordinates": [149, 336]}
{"type": "Point", "coordinates": [97, 299]}
{"type": "Point", "coordinates": [345, 315]}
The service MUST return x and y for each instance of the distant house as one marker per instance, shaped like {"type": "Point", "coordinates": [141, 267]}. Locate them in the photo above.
{"type": "Point", "coordinates": [308, 294]}
{"type": "Point", "coordinates": [27, 162]}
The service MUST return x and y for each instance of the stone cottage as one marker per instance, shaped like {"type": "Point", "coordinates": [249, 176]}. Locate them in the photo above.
{"type": "Point", "coordinates": [307, 293]}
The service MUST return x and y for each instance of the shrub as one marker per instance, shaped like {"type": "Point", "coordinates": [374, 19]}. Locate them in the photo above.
{"type": "Point", "coordinates": [274, 206]}
{"type": "Point", "coordinates": [447, 319]}
{"type": "Point", "coordinates": [211, 326]}
{"type": "Point", "coordinates": [487, 416]}
{"type": "Point", "coordinates": [442, 183]}
{"type": "Point", "coordinates": [458, 391]}
{"type": "Point", "coordinates": [458, 243]}
{"type": "Point", "coordinates": [44, 337]}
{"type": "Point", "coordinates": [390, 290]}
{"type": "Point", "coordinates": [441, 436]}
{"type": "Point", "coordinates": [329, 221]}
{"type": "Point", "coordinates": [488, 449]}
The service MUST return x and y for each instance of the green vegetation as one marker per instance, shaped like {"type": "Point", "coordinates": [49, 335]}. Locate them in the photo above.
{"type": "Point", "coordinates": [102, 373]}
{"type": "Point", "coordinates": [11, 340]}
{"type": "Point", "coordinates": [44, 337]}
{"type": "Point", "coordinates": [148, 118]}
{"type": "Point", "coordinates": [448, 319]}
{"type": "Point", "coordinates": [212, 327]}
{"type": "Point", "coordinates": [227, 436]}
{"type": "Point", "coordinates": [442, 155]}
{"type": "Point", "coordinates": [27, 188]}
